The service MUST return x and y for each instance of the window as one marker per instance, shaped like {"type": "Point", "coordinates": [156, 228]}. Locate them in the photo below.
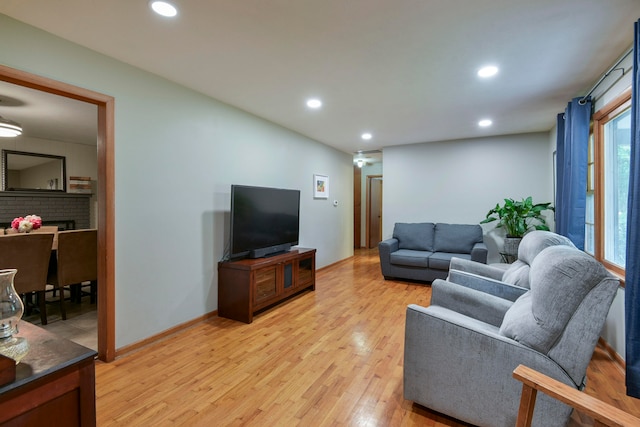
{"type": "Point", "coordinates": [608, 184]}
{"type": "Point", "coordinates": [590, 226]}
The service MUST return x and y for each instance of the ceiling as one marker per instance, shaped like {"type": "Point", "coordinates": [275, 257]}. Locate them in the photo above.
{"type": "Point", "coordinates": [404, 70]}
{"type": "Point", "coordinates": [48, 116]}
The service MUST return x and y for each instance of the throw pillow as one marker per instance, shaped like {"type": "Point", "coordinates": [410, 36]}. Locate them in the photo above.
{"type": "Point", "coordinates": [456, 238]}
{"type": "Point", "coordinates": [418, 236]}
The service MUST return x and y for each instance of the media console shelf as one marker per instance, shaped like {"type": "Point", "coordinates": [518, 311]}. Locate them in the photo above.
{"type": "Point", "coordinates": [249, 285]}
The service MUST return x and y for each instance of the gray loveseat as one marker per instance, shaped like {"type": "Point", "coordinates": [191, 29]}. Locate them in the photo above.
{"type": "Point", "coordinates": [423, 251]}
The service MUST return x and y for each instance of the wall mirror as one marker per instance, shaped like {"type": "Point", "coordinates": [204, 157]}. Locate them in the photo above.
{"type": "Point", "coordinates": [22, 171]}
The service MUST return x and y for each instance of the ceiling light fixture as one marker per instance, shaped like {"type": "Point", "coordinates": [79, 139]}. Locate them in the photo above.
{"type": "Point", "coordinates": [360, 163]}
{"type": "Point", "coordinates": [366, 136]}
{"type": "Point", "coordinates": [163, 8]}
{"type": "Point", "coordinates": [314, 103]}
{"type": "Point", "coordinates": [485, 123]}
{"type": "Point", "coordinates": [9, 128]}
{"type": "Point", "coordinates": [488, 71]}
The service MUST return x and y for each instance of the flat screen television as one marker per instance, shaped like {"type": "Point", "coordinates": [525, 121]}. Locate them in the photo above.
{"type": "Point", "coordinates": [264, 221]}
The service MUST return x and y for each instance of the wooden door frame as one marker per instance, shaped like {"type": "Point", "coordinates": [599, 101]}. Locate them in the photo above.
{"type": "Point", "coordinates": [106, 187]}
{"type": "Point", "coordinates": [357, 207]}
{"type": "Point", "coordinates": [368, 215]}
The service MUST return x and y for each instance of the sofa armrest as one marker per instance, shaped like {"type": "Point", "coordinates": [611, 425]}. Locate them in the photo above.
{"type": "Point", "coordinates": [448, 356]}
{"type": "Point", "coordinates": [470, 302]}
{"type": "Point", "coordinates": [386, 247]}
{"type": "Point", "coordinates": [487, 285]}
{"type": "Point", "coordinates": [479, 252]}
{"type": "Point", "coordinates": [474, 267]}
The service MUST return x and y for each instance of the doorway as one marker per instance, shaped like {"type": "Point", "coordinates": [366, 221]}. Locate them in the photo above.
{"type": "Point", "coordinates": [105, 210]}
{"type": "Point", "coordinates": [374, 210]}
{"type": "Point", "coordinates": [357, 207]}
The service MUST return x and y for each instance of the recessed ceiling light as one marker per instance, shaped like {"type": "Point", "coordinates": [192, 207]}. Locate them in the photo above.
{"type": "Point", "coordinates": [366, 136]}
{"type": "Point", "coordinates": [488, 71]}
{"type": "Point", "coordinates": [314, 103]}
{"type": "Point", "coordinates": [164, 8]}
{"type": "Point", "coordinates": [484, 123]}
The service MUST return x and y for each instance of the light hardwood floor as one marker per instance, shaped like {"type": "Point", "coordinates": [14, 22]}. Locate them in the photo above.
{"type": "Point", "coordinates": [324, 358]}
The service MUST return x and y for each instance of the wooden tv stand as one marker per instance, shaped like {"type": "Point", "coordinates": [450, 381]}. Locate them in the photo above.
{"type": "Point", "coordinates": [249, 285]}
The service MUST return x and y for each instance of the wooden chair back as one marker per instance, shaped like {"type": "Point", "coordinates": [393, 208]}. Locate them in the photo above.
{"type": "Point", "coordinates": [51, 229]}
{"type": "Point", "coordinates": [77, 256]}
{"type": "Point", "coordinates": [29, 254]}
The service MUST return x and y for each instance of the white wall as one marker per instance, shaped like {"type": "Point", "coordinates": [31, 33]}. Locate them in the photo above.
{"type": "Point", "coordinates": [80, 159]}
{"type": "Point", "coordinates": [460, 181]}
{"type": "Point", "coordinates": [176, 154]}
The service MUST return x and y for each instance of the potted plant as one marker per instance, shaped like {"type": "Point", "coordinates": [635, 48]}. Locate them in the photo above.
{"type": "Point", "coordinates": [518, 217]}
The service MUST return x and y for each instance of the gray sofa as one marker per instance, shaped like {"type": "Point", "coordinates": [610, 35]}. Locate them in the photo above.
{"type": "Point", "coordinates": [423, 251]}
{"type": "Point", "coordinates": [460, 351]}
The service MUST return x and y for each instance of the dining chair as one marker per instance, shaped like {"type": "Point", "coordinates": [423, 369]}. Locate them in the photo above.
{"type": "Point", "coordinates": [29, 254]}
{"type": "Point", "coordinates": [77, 262]}
{"type": "Point", "coordinates": [51, 229]}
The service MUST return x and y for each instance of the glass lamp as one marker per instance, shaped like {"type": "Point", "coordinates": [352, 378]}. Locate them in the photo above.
{"type": "Point", "coordinates": [11, 309]}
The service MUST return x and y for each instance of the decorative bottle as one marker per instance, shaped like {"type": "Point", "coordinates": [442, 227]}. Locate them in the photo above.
{"type": "Point", "coordinates": [11, 309]}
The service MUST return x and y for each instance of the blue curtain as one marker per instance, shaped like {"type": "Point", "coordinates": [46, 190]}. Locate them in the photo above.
{"type": "Point", "coordinates": [632, 279]}
{"type": "Point", "coordinates": [571, 163]}
{"type": "Point", "coordinates": [559, 178]}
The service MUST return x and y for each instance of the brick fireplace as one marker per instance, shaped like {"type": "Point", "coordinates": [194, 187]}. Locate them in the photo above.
{"type": "Point", "coordinates": [67, 210]}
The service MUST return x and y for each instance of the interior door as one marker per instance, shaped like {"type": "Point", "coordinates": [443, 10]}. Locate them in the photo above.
{"type": "Point", "coordinates": [374, 219]}
{"type": "Point", "coordinates": [357, 207]}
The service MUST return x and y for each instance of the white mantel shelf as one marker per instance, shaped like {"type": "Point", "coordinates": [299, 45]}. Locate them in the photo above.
{"type": "Point", "coordinates": [36, 193]}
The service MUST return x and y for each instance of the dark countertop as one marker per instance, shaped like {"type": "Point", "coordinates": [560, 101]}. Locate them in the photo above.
{"type": "Point", "coordinates": [48, 353]}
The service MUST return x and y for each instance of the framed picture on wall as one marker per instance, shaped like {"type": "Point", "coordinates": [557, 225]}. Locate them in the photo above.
{"type": "Point", "coordinates": [320, 186]}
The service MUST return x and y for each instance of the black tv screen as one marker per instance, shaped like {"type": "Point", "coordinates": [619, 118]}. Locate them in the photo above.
{"type": "Point", "coordinates": [264, 221]}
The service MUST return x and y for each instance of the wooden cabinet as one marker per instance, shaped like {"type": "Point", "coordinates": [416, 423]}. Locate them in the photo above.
{"type": "Point", "coordinates": [249, 285]}
{"type": "Point", "coordinates": [54, 384]}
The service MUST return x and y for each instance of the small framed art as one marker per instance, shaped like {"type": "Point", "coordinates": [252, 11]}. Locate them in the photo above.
{"type": "Point", "coordinates": [320, 186]}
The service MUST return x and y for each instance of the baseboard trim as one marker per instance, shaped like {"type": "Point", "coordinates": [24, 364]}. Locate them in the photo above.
{"type": "Point", "coordinates": [613, 354]}
{"type": "Point", "coordinates": [127, 349]}
{"type": "Point", "coordinates": [163, 335]}
{"type": "Point", "coordinates": [342, 261]}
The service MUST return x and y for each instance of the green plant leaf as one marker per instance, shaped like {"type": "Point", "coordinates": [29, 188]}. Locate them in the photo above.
{"type": "Point", "coordinates": [518, 217]}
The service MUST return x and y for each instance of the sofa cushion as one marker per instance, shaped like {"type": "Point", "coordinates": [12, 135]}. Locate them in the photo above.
{"type": "Point", "coordinates": [410, 258]}
{"type": "Point", "coordinates": [417, 236]}
{"type": "Point", "coordinates": [560, 278]}
{"type": "Point", "coordinates": [456, 238]}
{"type": "Point", "coordinates": [517, 274]}
{"type": "Point", "coordinates": [442, 260]}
